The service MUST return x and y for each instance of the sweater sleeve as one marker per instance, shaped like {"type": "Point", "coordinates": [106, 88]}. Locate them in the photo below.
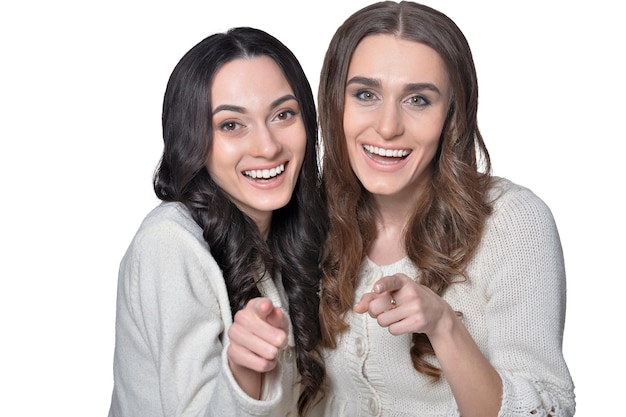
{"type": "Point", "coordinates": [525, 310]}
{"type": "Point", "coordinates": [172, 318]}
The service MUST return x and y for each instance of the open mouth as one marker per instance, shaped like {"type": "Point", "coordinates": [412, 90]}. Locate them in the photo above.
{"type": "Point", "coordinates": [265, 174]}
{"type": "Point", "coordinates": [385, 156]}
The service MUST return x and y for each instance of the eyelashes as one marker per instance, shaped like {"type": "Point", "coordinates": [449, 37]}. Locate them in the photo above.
{"type": "Point", "coordinates": [364, 95]}
{"type": "Point", "coordinates": [285, 114]}
{"type": "Point", "coordinates": [233, 125]}
{"type": "Point", "coordinates": [415, 100]}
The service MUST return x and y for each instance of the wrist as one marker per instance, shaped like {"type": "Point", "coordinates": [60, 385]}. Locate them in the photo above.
{"type": "Point", "coordinates": [446, 326]}
{"type": "Point", "coordinates": [247, 379]}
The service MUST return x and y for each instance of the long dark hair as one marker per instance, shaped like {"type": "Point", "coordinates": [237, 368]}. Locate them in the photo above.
{"type": "Point", "coordinates": [297, 230]}
{"type": "Point", "coordinates": [447, 222]}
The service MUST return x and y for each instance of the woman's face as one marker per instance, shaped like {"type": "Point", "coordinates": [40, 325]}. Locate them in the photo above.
{"type": "Point", "coordinates": [396, 100]}
{"type": "Point", "coordinates": [259, 137]}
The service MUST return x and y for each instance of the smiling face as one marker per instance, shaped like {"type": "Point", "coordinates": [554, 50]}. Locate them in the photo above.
{"type": "Point", "coordinates": [259, 138]}
{"type": "Point", "coordinates": [396, 100]}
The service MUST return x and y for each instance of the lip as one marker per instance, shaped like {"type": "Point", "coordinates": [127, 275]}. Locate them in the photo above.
{"type": "Point", "coordinates": [393, 159]}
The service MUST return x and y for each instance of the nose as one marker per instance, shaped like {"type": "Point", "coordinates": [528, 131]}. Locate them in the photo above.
{"type": "Point", "coordinates": [390, 124]}
{"type": "Point", "coordinates": [265, 143]}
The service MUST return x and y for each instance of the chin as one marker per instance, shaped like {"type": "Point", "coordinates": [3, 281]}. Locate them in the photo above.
{"type": "Point", "coordinates": [379, 188]}
{"type": "Point", "coordinates": [272, 204]}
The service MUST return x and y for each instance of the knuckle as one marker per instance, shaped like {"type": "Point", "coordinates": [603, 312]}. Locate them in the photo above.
{"type": "Point", "coordinates": [270, 353]}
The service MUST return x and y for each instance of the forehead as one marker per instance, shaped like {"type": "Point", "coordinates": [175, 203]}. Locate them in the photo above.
{"type": "Point", "coordinates": [383, 56]}
{"type": "Point", "coordinates": [249, 78]}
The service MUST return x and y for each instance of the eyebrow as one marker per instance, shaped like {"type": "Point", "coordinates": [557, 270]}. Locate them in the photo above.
{"type": "Point", "coordinates": [282, 99]}
{"type": "Point", "coordinates": [229, 107]}
{"type": "Point", "coordinates": [239, 109]}
{"type": "Point", "coordinates": [411, 87]}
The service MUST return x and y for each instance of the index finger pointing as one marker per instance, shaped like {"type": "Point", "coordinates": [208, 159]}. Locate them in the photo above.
{"type": "Point", "coordinates": [389, 283]}
{"type": "Point", "coordinates": [261, 306]}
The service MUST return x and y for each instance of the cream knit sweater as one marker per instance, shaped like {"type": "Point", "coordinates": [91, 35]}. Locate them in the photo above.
{"type": "Point", "coordinates": [172, 317]}
{"type": "Point", "coordinates": [513, 305]}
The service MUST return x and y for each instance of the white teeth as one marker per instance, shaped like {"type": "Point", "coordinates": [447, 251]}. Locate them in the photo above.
{"type": "Point", "coordinates": [395, 153]}
{"type": "Point", "coordinates": [265, 173]}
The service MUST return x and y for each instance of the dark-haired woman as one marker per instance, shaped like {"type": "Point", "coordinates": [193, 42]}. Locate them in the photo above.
{"type": "Point", "coordinates": [444, 287]}
{"type": "Point", "coordinates": [217, 310]}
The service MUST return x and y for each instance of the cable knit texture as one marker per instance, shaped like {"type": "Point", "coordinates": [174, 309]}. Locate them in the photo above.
{"type": "Point", "coordinates": [513, 305]}
{"type": "Point", "coordinates": [173, 315]}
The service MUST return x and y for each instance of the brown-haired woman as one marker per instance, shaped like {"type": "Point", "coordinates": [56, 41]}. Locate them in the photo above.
{"type": "Point", "coordinates": [457, 275]}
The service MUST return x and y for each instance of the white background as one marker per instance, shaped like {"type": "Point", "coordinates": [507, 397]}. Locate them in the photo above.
{"type": "Point", "coordinates": [81, 88]}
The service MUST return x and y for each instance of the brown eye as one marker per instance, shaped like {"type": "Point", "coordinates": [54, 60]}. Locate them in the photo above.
{"type": "Point", "coordinates": [229, 126]}
{"type": "Point", "coordinates": [284, 115]}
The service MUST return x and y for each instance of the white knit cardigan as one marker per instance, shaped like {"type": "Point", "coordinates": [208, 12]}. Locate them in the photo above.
{"type": "Point", "coordinates": [513, 305]}
{"type": "Point", "coordinates": [173, 314]}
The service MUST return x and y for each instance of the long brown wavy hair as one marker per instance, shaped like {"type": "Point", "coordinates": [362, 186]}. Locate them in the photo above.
{"type": "Point", "coordinates": [447, 222]}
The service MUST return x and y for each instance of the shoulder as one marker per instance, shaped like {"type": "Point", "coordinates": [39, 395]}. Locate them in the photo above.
{"type": "Point", "coordinates": [168, 239]}
{"type": "Point", "coordinates": [521, 226]}
{"type": "Point", "coordinates": [170, 216]}
{"type": "Point", "coordinates": [520, 221]}
{"type": "Point", "coordinates": [168, 256]}
{"type": "Point", "coordinates": [515, 203]}
{"type": "Point", "coordinates": [167, 225]}
{"type": "Point", "coordinates": [520, 246]}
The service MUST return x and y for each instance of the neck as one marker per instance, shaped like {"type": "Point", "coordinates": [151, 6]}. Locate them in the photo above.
{"type": "Point", "coordinates": [394, 214]}
{"type": "Point", "coordinates": [391, 221]}
{"type": "Point", "coordinates": [264, 226]}
{"type": "Point", "coordinates": [263, 221]}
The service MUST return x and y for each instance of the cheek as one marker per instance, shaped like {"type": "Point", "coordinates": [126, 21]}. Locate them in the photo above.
{"type": "Point", "coordinates": [353, 126]}
{"type": "Point", "coordinates": [351, 122]}
{"type": "Point", "coordinates": [429, 130]}
{"type": "Point", "coordinates": [220, 157]}
{"type": "Point", "coordinates": [428, 145]}
{"type": "Point", "coordinates": [297, 142]}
